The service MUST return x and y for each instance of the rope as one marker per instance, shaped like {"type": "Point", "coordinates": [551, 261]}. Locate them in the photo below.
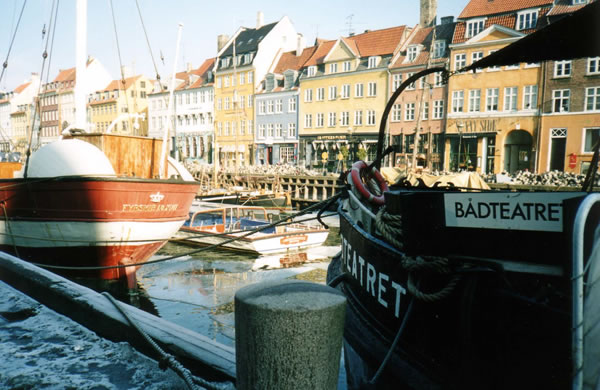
{"type": "Point", "coordinates": [390, 227]}
{"type": "Point", "coordinates": [5, 63]}
{"type": "Point", "coordinates": [148, 42]}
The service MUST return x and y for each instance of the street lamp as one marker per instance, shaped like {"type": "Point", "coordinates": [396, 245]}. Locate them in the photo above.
{"type": "Point", "coordinates": [351, 142]}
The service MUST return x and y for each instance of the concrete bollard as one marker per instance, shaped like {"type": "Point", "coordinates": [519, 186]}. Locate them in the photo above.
{"type": "Point", "coordinates": [288, 335]}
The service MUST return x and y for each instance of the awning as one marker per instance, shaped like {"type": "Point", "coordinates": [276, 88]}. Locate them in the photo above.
{"type": "Point", "coordinates": [574, 36]}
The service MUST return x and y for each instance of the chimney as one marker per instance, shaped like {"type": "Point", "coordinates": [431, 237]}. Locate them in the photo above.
{"type": "Point", "coordinates": [428, 13]}
{"type": "Point", "coordinates": [260, 19]}
{"type": "Point", "coordinates": [221, 41]}
{"type": "Point", "coordinates": [188, 67]}
{"type": "Point", "coordinates": [300, 45]}
{"type": "Point", "coordinates": [447, 19]}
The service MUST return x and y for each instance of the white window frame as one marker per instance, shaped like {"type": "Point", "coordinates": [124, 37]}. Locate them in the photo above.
{"type": "Point", "coordinates": [320, 94]}
{"type": "Point", "coordinates": [292, 104]}
{"type": "Point", "coordinates": [346, 91]}
{"type": "Point", "coordinates": [526, 20]}
{"type": "Point", "coordinates": [332, 92]}
{"type": "Point", "coordinates": [530, 97]}
{"type": "Point", "coordinates": [474, 27]}
{"type": "Point", "coordinates": [438, 109]}
{"type": "Point", "coordinates": [560, 97]}
{"type": "Point", "coordinates": [593, 65]}
{"type": "Point", "coordinates": [347, 66]}
{"type": "Point", "coordinates": [332, 120]}
{"type": "Point", "coordinates": [474, 100]}
{"type": "Point", "coordinates": [492, 102]}
{"type": "Point", "coordinates": [333, 68]}
{"type": "Point", "coordinates": [510, 98]}
{"type": "Point", "coordinates": [439, 49]}
{"type": "Point", "coordinates": [345, 118]}
{"type": "Point", "coordinates": [592, 99]}
{"type": "Point", "coordinates": [307, 121]}
{"type": "Point", "coordinates": [458, 101]}
{"type": "Point", "coordinates": [358, 118]}
{"type": "Point", "coordinates": [359, 90]}
{"type": "Point", "coordinates": [308, 95]}
{"type": "Point", "coordinates": [291, 130]}
{"type": "Point", "coordinates": [412, 52]}
{"type": "Point", "coordinates": [409, 111]}
{"type": "Point", "coordinates": [563, 68]}
{"type": "Point", "coordinates": [372, 90]}
{"type": "Point", "coordinates": [397, 112]}
{"type": "Point", "coordinates": [311, 71]}
{"type": "Point", "coordinates": [279, 106]}
{"type": "Point", "coordinates": [372, 62]}
{"type": "Point", "coordinates": [460, 61]}
{"type": "Point", "coordinates": [320, 120]}
{"type": "Point", "coordinates": [588, 146]}
{"type": "Point", "coordinates": [371, 118]}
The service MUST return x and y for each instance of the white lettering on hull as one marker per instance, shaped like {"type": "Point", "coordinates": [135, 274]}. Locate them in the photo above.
{"type": "Point", "coordinates": [374, 282]}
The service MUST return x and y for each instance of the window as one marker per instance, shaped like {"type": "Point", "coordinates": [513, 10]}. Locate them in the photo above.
{"type": "Point", "coordinates": [242, 78]}
{"type": "Point", "coordinates": [474, 27]}
{"type": "Point", "coordinates": [332, 68]}
{"type": "Point", "coordinates": [307, 120]}
{"type": "Point", "coordinates": [226, 128]}
{"type": "Point", "coordinates": [261, 131]}
{"type": "Point", "coordinates": [332, 121]}
{"type": "Point", "coordinates": [438, 79]}
{"type": "Point", "coordinates": [438, 109]}
{"type": "Point", "coordinates": [593, 65]}
{"type": "Point", "coordinates": [292, 104]}
{"type": "Point", "coordinates": [242, 101]}
{"type": "Point", "coordinates": [510, 99]}
{"type": "Point", "coordinates": [270, 130]}
{"type": "Point", "coordinates": [529, 97]}
{"type": "Point", "coordinates": [233, 125]}
{"type": "Point", "coordinates": [475, 100]}
{"type": "Point", "coordinates": [312, 70]}
{"type": "Point", "coordinates": [439, 49]}
{"type": "Point", "coordinates": [219, 104]}
{"type": "Point", "coordinates": [227, 103]}
{"type": "Point", "coordinates": [526, 20]}
{"type": "Point", "coordinates": [270, 106]}
{"type": "Point", "coordinates": [458, 98]}
{"type": "Point", "coordinates": [232, 81]}
{"type": "Point", "coordinates": [279, 106]}
{"type": "Point", "coordinates": [218, 82]}
{"type": "Point", "coordinates": [372, 89]}
{"type": "Point", "coordinates": [370, 117]}
{"type": "Point", "coordinates": [320, 94]}
{"type": "Point", "coordinates": [592, 99]}
{"type": "Point", "coordinates": [261, 107]}
{"type": "Point", "coordinates": [278, 130]}
{"type": "Point", "coordinates": [347, 66]}
{"type": "Point", "coordinates": [345, 118]}
{"type": "Point", "coordinates": [308, 95]}
{"type": "Point", "coordinates": [226, 81]}
{"type": "Point", "coordinates": [409, 112]}
{"type": "Point", "coordinates": [250, 80]}
{"type": "Point", "coordinates": [292, 130]}
{"type": "Point", "coordinates": [345, 91]}
{"type": "Point", "coordinates": [411, 53]}
{"type": "Point", "coordinates": [411, 85]}
{"type": "Point", "coordinates": [396, 81]}
{"type": "Point", "coordinates": [493, 68]}
{"type": "Point", "coordinates": [372, 62]}
{"type": "Point", "coordinates": [425, 111]}
{"type": "Point", "coordinates": [359, 90]}
{"type": "Point", "coordinates": [491, 100]}
{"type": "Point", "coordinates": [320, 119]}
{"type": "Point", "coordinates": [332, 92]}
{"type": "Point", "coordinates": [562, 68]}
{"type": "Point", "coordinates": [591, 138]}
{"type": "Point", "coordinates": [460, 61]}
{"type": "Point", "coordinates": [476, 56]}
{"type": "Point", "coordinates": [358, 118]}
{"type": "Point", "coordinates": [396, 112]}
{"type": "Point", "coordinates": [560, 100]}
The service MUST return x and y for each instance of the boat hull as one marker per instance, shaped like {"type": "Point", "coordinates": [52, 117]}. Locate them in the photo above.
{"type": "Point", "coordinates": [91, 222]}
{"type": "Point", "coordinates": [481, 335]}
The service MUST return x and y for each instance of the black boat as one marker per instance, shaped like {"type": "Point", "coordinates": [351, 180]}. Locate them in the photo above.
{"type": "Point", "coordinates": [453, 288]}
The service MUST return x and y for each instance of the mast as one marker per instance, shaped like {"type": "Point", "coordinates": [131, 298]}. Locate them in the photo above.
{"type": "Point", "coordinates": [80, 64]}
{"type": "Point", "coordinates": [171, 116]}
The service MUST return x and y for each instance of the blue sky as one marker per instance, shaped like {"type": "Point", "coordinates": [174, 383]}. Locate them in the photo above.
{"type": "Point", "coordinates": [202, 20]}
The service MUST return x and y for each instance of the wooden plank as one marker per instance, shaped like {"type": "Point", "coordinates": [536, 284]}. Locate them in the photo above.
{"type": "Point", "coordinates": [8, 169]}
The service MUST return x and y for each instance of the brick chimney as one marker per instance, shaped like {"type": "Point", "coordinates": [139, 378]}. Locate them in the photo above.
{"type": "Point", "coordinates": [221, 41]}
{"type": "Point", "coordinates": [428, 13]}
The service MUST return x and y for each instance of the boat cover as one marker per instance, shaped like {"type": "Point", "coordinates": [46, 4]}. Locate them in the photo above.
{"type": "Point", "coordinates": [462, 180]}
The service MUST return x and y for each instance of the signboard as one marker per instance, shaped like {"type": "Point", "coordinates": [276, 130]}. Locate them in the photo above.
{"type": "Point", "coordinates": [509, 211]}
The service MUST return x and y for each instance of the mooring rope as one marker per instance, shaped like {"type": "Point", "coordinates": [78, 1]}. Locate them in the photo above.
{"type": "Point", "coordinates": [390, 227]}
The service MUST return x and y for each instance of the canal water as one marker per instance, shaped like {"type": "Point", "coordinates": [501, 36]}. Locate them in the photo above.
{"type": "Point", "coordinates": [197, 291]}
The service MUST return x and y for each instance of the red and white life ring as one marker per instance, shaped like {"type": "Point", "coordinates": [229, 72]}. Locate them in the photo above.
{"type": "Point", "coordinates": [359, 185]}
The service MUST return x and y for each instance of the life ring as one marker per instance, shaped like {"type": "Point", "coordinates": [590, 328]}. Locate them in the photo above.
{"type": "Point", "coordinates": [356, 182]}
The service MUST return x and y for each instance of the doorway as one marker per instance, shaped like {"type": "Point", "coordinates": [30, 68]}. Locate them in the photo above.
{"type": "Point", "coordinates": [517, 151]}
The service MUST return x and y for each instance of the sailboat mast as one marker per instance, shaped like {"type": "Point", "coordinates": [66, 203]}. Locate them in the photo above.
{"type": "Point", "coordinates": [80, 64]}
{"type": "Point", "coordinates": [171, 115]}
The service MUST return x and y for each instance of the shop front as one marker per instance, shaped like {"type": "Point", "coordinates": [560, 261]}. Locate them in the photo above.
{"type": "Point", "coordinates": [336, 153]}
{"type": "Point", "coordinates": [277, 153]}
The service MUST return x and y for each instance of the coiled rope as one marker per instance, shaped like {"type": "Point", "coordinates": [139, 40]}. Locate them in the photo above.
{"type": "Point", "coordinates": [390, 227]}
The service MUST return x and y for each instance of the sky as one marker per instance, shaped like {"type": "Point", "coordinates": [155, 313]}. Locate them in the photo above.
{"type": "Point", "coordinates": [202, 22]}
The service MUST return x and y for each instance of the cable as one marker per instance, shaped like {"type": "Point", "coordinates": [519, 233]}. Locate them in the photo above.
{"type": "Point", "coordinates": [5, 64]}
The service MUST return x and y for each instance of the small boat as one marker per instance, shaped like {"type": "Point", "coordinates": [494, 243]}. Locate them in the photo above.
{"type": "Point", "coordinates": [250, 198]}
{"type": "Point", "coordinates": [231, 225]}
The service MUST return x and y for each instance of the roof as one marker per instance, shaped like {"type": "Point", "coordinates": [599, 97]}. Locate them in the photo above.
{"type": "Point", "coordinates": [65, 75]}
{"type": "Point", "coordinates": [247, 40]}
{"type": "Point", "coordinates": [564, 7]}
{"type": "Point", "coordinates": [561, 40]}
{"type": "Point", "coordinates": [291, 61]}
{"type": "Point", "coordinates": [378, 42]}
{"type": "Point", "coordinates": [477, 8]}
{"type": "Point", "coordinates": [424, 37]}
{"type": "Point", "coordinates": [21, 87]}
{"type": "Point", "coordinates": [118, 84]}
{"type": "Point", "coordinates": [320, 53]}
{"type": "Point", "coordinates": [506, 20]}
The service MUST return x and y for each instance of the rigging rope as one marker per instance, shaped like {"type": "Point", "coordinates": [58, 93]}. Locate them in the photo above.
{"type": "Point", "coordinates": [12, 41]}
{"type": "Point", "coordinates": [148, 42]}
{"type": "Point", "coordinates": [123, 81]}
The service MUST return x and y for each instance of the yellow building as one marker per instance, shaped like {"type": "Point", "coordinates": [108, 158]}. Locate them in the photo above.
{"type": "Point", "coordinates": [242, 62]}
{"type": "Point", "coordinates": [121, 107]}
{"type": "Point", "coordinates": [493, 114]}
{"type": "Point", "coordinates": [343, 92]}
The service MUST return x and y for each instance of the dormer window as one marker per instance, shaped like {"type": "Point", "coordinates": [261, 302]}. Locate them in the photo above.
{"type": "Point", "coordinates": [347, 66]}
{"type": "Point", "coordinates": [412, 52]}
{"type": "Point", "coordinates": [474, 27]}
{"type": "Point", "coordinates": [527, 20]}
{"type": "Point", "coordinates": [439, 49]}
{"type": "Point", "coordinates": [332, 68]}
{"type": "Point", "coordinates": [373, 62]}
{"type": "Point", "coordinates": [312, 70]}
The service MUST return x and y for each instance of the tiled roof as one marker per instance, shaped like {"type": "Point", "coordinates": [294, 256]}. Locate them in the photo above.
{"type": "Point", "coordinates": [247, 41]}
{"type": "Point", "coordinates": [202, 71]}
{"type": "Point", "coordinates": [320, 53]}
{"type": "Point", "coordinates": [507, 20]}
{"type": "Point", "coordinates": [21, 87]}
{"type": "Point", "coordinates": [424, 37]}
{"type": "Point", "coordinates": [351, 44]}
{"type": "Point", "coordinates": [378, 42]}
{"type": "Point", "coordinates": [564, 7]}
{"type": "Point", "coordinates": [65, 75]}
{"type": "Point", "coordinates": [492, 7]}
{"type": "Point", "coordinates": [117, 84]}
{"type": "Point", "coordinates": [291, 61]}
